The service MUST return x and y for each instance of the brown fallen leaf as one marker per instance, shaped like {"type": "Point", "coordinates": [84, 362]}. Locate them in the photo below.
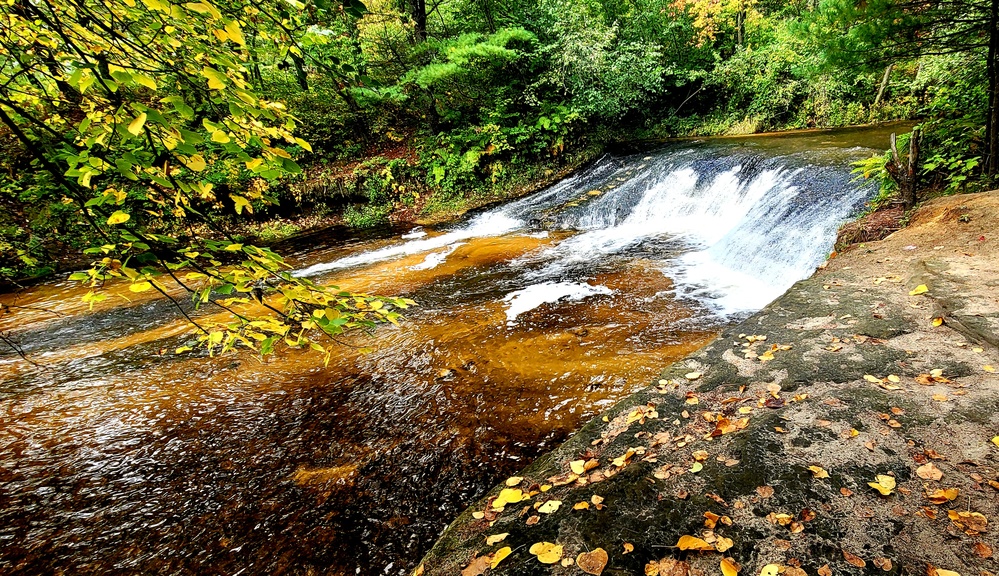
{"type": "Point", "coordinates": [765, 491]}
{"type": "Point", "coordinates": [883, 563]}
{"type": "Point", "coordinates": [628, 548]}
{"type": "Point", "coordinates": [854, 559]}
{"type": "Point", "coordinates": [667, 567]}
{"type": "Point", "coordinates": [478, 566]}
{"type": "Point", "coordinates": [929, 471]}
{"type": "Point", "coordinates": [846, 491]}
{"type": "Point", "coordinates": [533, 520]}
{"type": "Point", "coordinates": [825, 570]}
{"type": "Point", "coordinates": [592, 562]}
{"type": "Point", "coordinates": [982, 550]}
{"type": "Point", "coordinates": [971, 522]}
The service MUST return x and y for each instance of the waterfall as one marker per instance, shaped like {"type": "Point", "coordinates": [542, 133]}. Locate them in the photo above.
{"type": "Point", "coordinates": [731, 226]}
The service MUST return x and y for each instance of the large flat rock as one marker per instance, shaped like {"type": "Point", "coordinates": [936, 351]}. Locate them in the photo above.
{"type": "Point", "coordinates": [771, 444]}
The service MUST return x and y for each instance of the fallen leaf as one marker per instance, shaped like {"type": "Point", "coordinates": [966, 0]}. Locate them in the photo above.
{"type": "Point", "coordinates": [995, 440]}
{"type": "Point", "coordinates": [973, 522]}
{"type": "Point", "coordinates": [942, 496]}
{"type": "Point", "coordinates": [883, 563]}
{"type": "Point", "coordinates": [419, 570]}
{"type": "Point", "coordinates": [496, 538]}
{"type": "Point", "coordinates": [940, 397]}
{"type": "Point", "coordinates": [982, 550]}
{"type": "Point", "coordinates": [478, 566]}
{"type": "Point", "coordinates": [921, 289]}
{"type": "Point", "coordinates": [942, 572]}
{"type": "Point", "coordinates": [667, 567]}
{"type": "Point", "coordinates": [697, 467]}
{"type": "Point", "coordinates": [533, 520]}
{"type": "Point", "coordinates": [825, 570]}
{"type": "Point", "coordinates": [846, 491]}
{"type": "Point", "coordinates": [818, 472]}
{"type": "Point", "coordinates": [700, 455]}
{"type": "Point", "coordinates": [581, 505]}
{"type": "Point", "coordinates": [514, 480]}
{"type": "Point", "coordinates": [692, 375]}
{"type": "Point", "coordinates": [884, 484]}
{"type": "Point", "coordinates": [729, 567]}
{"type": "Point", "coordinates": [566, 562]}
{"type": "Point", "coordinates": [500, 555]}
{"type": "Point", "coordinates": [547, 552]}
{"type": "Point", "coordinates": [508, 496]}
{"type": "Point", "coordinates": [592, 562]}
{"type": "Point", "coordinates": [929, 471]}
{"type": "Point", "coordinates": [989, 368]}
{"type": "Point", "coordinates": [770, 570]}
{"type": "Point", "coordinates": [628, 548]}
{"type": "Point", "coordinates": [693, 543]}
{"type": "Point", "coordinates": [938, 321]}
{"type": "Point", "coordinates": [550, 507]}
{"type": "Point", "coordinates": [854, 559]}
{"type": "Point", "coordinates": [577, 466]}
{"type": "Point", "coordinates": [723, 544]}
{"type": "Point", "coordinates": [765, 491]}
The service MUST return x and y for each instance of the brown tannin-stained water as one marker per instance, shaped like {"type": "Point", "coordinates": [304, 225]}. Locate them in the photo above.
{"type": "Point", "coordinates": [119, 457]}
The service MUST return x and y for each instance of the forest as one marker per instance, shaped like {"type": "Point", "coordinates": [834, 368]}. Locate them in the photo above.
{"type": "Point", "coordinates": [175, 137]}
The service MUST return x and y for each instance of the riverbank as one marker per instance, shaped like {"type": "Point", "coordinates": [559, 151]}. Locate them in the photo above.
{"type": "Point", "coordinates": [847, 428]}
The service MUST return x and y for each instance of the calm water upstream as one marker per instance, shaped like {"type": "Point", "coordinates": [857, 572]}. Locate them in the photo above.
{"type": "Point", "coordinates": [117, 458]}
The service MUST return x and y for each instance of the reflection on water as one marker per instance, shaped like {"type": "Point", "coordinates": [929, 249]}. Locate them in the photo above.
{"type": "Point", "coordinates": [118, 457]}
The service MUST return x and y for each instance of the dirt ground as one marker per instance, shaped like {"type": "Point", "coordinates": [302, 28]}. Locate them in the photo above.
{"type": "Point", "coordinates": [850, 427]}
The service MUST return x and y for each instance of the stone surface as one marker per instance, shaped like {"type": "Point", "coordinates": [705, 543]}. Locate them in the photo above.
{"type": "Point", "coordinates": [839, 335]}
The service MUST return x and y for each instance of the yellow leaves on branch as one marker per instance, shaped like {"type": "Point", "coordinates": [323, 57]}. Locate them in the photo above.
{"type": "Point", "coordinates": [118, 217]}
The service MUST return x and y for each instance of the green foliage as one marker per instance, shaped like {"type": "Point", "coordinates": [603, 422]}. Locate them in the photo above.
{"type": "Point", "coordinates": [366, 215]}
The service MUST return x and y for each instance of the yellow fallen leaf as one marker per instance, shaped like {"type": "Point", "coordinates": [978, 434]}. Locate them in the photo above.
{"type": "Point", "coordinates": [729, 567]}
{"type": "Point", "coordinates": [566, 562]}
{"type": "Point", "coordinates": [700, 455]}
{"type": "Point", "coordinates": [942, 496]}
{"type": "Point", "coordinates": [770, 570]}
{"type": "Point", "coordinates": [550, 507]}
{"type": "Point", "coordinates": [500, 555]}
{"type": "Point", "coordinates": [921, 289]}
{"type": "Point", "coordinates": [818, 472]}
{"type": "Point", "coordinates": [870, 378]}
{"type": "Point", "coordinates": [697, 467]}
{"type": "Point", "coordinates": [693, 543]}
{"type": "Point", "coordinates": [581, 505]}
{"type": "Point", "coordinates": [508, 496]}
{"type": "Point", "coordinates": [938, 321]}
{"type": "Point", "coordinates": [692, 375]}
{"type": "Point", "coordinates": [496, 538]}
{"type": "Point", "coordinates": [514, 480]}
{"type": "Point", "coordinates": [478, 515]}
{"type": "Point", "coordinates": [628, 548]}
{"type": "Point", "coordinates": [989, 368]}
{"type": "Point", "coordinates": [995, 440]}
{"type": "Point", "coordinates": [722, 544]}
{"type": "Point", "coordinates": [894, 378]}
{"type": "Point", "coordinates": [942, 572]}
{"type": "Point", "coordinates": [884, 485]}
{"type": "Point", "coordinates": [547, 552]}
{"type": "Point", "coordinates": [596, 499]}
{"type": "Point", "coordinates": [940, 397]}
{"type": "Point", "coordinates": [577, 466]}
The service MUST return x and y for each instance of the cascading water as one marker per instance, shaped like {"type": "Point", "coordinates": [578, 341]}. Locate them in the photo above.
{"type": "Point", "coordinates": [119, 456]}
{"type": "Point", "coordinates": [733, 230]}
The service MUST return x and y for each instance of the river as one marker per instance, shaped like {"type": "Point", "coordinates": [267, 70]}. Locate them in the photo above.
{"type": "Point", "coordinates": [119, 457]}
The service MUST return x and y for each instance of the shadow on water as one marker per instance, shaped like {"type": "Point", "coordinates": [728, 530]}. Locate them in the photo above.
{"type": "Point", "coordinates": [119, 457]}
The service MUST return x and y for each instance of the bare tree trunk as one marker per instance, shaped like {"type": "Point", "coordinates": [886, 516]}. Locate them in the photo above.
{"type": "Point", "coordinates": [992, 121]}
{"type": "Point", "coordinates": [884, 85]}
{"type": "Point", "coordinates": [905, 171]}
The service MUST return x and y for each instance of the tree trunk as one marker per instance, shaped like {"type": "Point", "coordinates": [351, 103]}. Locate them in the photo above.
{"type": "Point", "coordinates": [905, 171]}
{"type": "Point", "coordinates": [884, 86]}
{"type": "Point", "coordinates": [418, 8]}
{"type": "Point", "coordinates": [992, 121]}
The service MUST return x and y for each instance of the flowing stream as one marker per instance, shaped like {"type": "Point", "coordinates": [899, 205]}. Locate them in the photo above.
{"type": "Point", "coordinates": [119, 457]}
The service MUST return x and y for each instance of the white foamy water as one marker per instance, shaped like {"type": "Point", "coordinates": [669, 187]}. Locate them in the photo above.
{"type": "Point", "coordinates": [529, 298]}
{"type": "Point", "coordinates": [435, 259]}
{"type": "Point", "coordinates": [732, 228]}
